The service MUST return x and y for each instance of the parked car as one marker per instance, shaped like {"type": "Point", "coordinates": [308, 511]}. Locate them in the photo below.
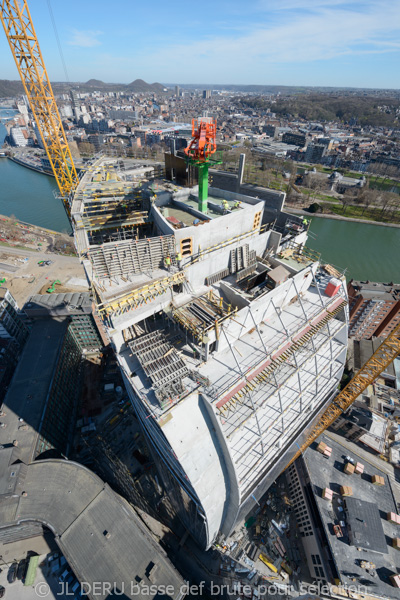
{"type": "Point", "coordinates": [22, 568]}
{"type": "Point", "coordinates": [12, 573]}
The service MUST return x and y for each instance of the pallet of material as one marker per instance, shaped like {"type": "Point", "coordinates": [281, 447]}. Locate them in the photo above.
{"type": "Point", "coordinates": [393, 518]}
{"type": "Point", "coordinates": [279, 549]}
{"type": "Point", "coordinates": [377, 480]}
{"type": "Point", "coordinates": [280, 544]}
{"type": "Point", "coordinates": [346, 490]}
{"type": "Point", "coordinates": [327, 494]}
{"type": "Point", "coordinates": [395, 581]}
{"type": "Point", "coordinates": [359, 469]}
{"type": "Point", "coordinates": [349, 468]}
{"type": "Point", "coordinates": [396, 543]}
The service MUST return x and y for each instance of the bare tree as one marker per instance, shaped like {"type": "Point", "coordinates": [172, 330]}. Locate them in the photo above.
{"type": "Point", "coordinates": [347, 198]}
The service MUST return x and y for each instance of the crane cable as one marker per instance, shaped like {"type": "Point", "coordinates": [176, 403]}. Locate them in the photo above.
{"type": "Point", "coordinates": [58, 40]}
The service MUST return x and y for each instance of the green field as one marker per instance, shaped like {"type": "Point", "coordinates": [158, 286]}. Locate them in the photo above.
{"type": "Point", "coordinates": [358, 212]}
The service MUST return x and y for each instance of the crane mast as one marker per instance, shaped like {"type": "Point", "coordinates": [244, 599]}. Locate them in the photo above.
{"type": "Point", "coordinates": [21, 36]}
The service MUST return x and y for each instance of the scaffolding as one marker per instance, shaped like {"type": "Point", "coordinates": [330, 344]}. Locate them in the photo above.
{"type": "Point", "coordinates": [382, 357]}
{"type": "Point", "coordinates": [108, 209]}
{"type": "Point", "coordinates": [264, 372]}
{"type": "Point", "coordinates": [299, 253]}
{"type": "Point", "coordinates": [263, 410]}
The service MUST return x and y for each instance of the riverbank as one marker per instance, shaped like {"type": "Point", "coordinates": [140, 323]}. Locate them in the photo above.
{"type": "Point", "coordinates": [299, 211]}
{"type": "Point", "coordinates": [15, 233]}
{"type": "Point", "coordinates": [29, 165]}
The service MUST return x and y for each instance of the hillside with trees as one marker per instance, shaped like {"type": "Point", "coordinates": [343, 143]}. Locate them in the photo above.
{"type": "Point", "coordinates": [366, 110]}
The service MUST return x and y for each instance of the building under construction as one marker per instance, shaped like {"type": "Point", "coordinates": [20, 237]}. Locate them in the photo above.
{"type": "Point", "coordinates": [230, 334]}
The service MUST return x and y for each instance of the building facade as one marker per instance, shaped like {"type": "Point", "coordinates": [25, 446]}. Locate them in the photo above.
{"type": "Point", "coordinates": [374, 309]}
{"type": "Point", "coordinates": [297, 139]}
{"type": "Point", "coordinates": [314, 153]}
{"type": "Point", "coordinates": [12, 326]}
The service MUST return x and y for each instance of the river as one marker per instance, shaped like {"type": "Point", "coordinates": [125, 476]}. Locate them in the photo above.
{"type": "Point", "coordinates": [26, 194]}
{"type": "Point", "coordinates": [366, 251]}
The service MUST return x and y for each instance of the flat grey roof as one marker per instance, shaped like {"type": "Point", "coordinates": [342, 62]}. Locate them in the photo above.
{"type": "Point", "coordinates": [370, 289]}
{"type": "Point", "coordinates": [62, 305]}
{"type": "Point", "coordinates": [98, 532]}
{"type": "Point", "coordinates": [76, 505]}
{"type": "Point", "coordinates": [329, 473]}
{"type": "Point", "coordinates": [365, 525]}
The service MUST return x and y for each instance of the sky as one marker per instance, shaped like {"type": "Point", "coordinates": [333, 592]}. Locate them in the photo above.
{"type": "Point", "coordinates": [265, 42]}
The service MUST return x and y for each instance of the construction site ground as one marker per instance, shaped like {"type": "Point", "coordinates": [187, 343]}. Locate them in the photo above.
{"type": "Point", "coordinates": [24, 277]}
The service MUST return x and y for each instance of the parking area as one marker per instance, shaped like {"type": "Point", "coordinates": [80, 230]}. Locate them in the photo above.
{"type": "Point", "coordinates": [52, 580]}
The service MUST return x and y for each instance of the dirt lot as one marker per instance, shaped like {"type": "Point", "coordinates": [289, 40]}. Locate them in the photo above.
{"type": "Point", "coordinates": [24, 276]}
{"type": "Point", "coordinates": [23, 247]}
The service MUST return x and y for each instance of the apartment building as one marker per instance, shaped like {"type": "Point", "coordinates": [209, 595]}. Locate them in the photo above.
{"type": "Point", "coordinates": [374, 309]}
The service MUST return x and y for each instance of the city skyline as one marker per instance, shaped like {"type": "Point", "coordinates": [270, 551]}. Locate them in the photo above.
{"type": "Point", "coordinates": [322, 43]}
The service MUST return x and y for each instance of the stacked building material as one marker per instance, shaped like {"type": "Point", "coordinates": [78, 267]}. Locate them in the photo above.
{"type": "Point", "coordinates": [395, 581]}
{"type": "Point", "coordinates": [377, 480]}
{"type": "Point", "coordinates": [393, 518]}
{"type": "Point", "coordinates": [324, 449]}
{"type": "Point", "coordinates": [349, 468]}
{"type": "Point", "coordinates": [396, 543]}
{"type": "Point", "coordinates": [327, 494]}
{"type": "Point", "coordinates": [346, 490]}
{"type": "Point", "coordinates": [359, 469]}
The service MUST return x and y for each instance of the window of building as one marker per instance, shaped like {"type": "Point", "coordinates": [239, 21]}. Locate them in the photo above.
{"type": "Point", "coordinates": [187, 247]}
{"type": "Point", "coordinates": [319, 572]}
{"type": "Point", "coordinates": [257, 219]}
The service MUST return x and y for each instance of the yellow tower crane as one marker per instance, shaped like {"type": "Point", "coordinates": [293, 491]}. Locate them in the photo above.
{"type": "Point", "coordinates": [25, 49]}
{"type": "Point", "coordinates": [24, 45]}
{"type": "Point", "coordinates": [379, 361]}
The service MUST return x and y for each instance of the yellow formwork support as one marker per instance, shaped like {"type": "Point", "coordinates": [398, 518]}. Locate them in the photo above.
{"type": "Point", "coordinates": [144, 294]}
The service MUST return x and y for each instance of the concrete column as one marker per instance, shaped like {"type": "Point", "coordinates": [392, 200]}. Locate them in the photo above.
{"type": "Point", "coordinates": [242, 159]}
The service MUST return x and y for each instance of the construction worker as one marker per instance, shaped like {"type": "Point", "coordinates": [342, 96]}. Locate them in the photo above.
{"type": "Point", "coordinates": [225, 204]}
{"type": "Point", "coordinates": [237, 204]}
{"type": "Point", "coordinates": [305, 222]}
{"type": "Point", "coordinates": [168, 262]}
{"type": "Point", "coordinates": [178, 259]}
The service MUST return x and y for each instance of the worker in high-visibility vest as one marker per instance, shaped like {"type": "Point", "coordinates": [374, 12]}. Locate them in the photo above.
{"type": "Point", "coordinates": [178, 259]}
{"type": "Point", "coordinates": [225, 204]}
{"type": "Point", "coordinates": [237, 204]}
{"type": "Point", "coordinates": [168, 262]}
